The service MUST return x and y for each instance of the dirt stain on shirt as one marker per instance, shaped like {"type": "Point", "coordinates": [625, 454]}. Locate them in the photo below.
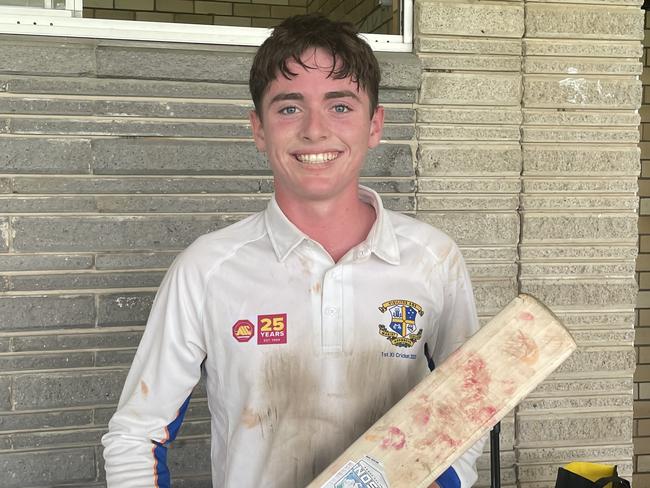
{"type": "Point", "coordinates": [319, 405]}
{"type": "Point", "coordinates": [305, 264]}
{"type": "Point", "coordinates": [249, 419]}
{"type": "Point", "coordinates": [292, 417]}
{"type": "Point", "coordinates": [375, 384]}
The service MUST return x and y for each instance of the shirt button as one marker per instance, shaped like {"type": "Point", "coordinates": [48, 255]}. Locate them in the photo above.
{"type": "Point", "coordinates": [363, 251]}
{"type": "Point", "coordinates": [330, 311]}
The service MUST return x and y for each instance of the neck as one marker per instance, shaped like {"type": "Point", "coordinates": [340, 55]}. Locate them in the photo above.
{"type": "Point", "coordinates": [337, 225]}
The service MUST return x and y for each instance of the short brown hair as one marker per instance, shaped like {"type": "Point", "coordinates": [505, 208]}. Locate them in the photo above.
{"type": "Point", "coordinates": [352, 56]}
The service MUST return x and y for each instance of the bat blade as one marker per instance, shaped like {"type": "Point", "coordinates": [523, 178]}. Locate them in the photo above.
{"type": "Point", "coordinates": [457, 404]}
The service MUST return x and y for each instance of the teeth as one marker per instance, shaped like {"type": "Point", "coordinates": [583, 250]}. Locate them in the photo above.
{"type": "Point", "coordinates": [316, 158]}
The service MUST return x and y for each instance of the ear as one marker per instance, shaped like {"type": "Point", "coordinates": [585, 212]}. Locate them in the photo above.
{"type": "Point", "coordinates": [376, 127]}
{"type": "Point", "coordinates": [258, 130]}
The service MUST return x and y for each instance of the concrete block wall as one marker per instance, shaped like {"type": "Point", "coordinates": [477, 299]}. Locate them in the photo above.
{"type": "Point", "coordinates": [469, 155]}
{"type": "Point", "coordinates": [115, 156]}
{"type": "Point", "coordinates": [513, 128]}
{"type": "Point", "coordinates": [527, 155]}
{"type": "Point", "coordinates": [642, 339]}
{"type": "Point", "coordinates": [579, 218]}
{"type": "Point", "coordinates": [579, 205]}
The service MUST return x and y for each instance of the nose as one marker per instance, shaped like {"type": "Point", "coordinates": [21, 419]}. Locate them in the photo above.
{"type": "Point", "coordinates": [314, 127]}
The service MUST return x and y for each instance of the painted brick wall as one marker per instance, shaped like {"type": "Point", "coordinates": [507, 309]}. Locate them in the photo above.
{"type": "Point", "coordinates": [513, 128]}
{"type": "Point", "coordinates": [642, 339]}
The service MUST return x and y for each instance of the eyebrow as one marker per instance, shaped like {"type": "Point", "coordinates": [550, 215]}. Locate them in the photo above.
{"type": "Point", "coordinates": [280, 97]}
{"type": "Point", "coordinates": [341, 94]}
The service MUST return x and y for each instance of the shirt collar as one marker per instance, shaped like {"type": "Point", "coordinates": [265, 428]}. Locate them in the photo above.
{"type": "Point", "coordinates": [285, 236]}
{"type": "Point", "coordinates": [381, 240]}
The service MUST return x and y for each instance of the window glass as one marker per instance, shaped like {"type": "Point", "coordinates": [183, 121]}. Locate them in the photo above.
{"type": "Point", "coordinates": [72, 6]}
{"type": "Point", "coordinates": [385, 24]}
{"type": "Point", "coordinates": [370, 16]}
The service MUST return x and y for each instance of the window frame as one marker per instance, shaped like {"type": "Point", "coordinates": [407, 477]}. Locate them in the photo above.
{"type": "Point", "coordinates": [36, 21]}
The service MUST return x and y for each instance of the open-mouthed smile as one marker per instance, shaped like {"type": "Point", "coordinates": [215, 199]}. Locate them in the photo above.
{"type": "Point", "coordinates": [316, 158]}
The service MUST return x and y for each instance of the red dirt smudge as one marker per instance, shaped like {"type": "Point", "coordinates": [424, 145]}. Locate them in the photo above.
{"type": "Point", "coordinates": [476, 379]}
{"type": "Point", "coordinates": [446, 439]}
{"type": "Point", "coordinates": [424, 443]}
{"type": "Point", "coordinates": [482, 414]}
{"type": "Point", "coordinates": [526, 316]}
{"type": "Point", "coordinates": [421, 414]}
{"type": "Point", "coordinates": [249, 419]}
{"type": "Point", "coordinates": [395, 439]}
{"type": "Point", "coordinates": [445, 413]}
{"type": "Point", "coordinates": [372, 437]}
{"type": "Point", "coordinates": [144, 389]}
{"type": "Point", "coordinates": [523, 347]}
{"type": "Point", "coordinates": [508, 386]}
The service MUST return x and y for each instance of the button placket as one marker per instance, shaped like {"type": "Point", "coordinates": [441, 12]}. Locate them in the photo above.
{"type": "Point", "coordinates": [332, 332]}
{"type": "Point", "coordinates": [316, 281]}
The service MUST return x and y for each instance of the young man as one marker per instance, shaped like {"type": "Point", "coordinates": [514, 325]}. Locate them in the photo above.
{"type": "Point", "coordinates": [310, 318]}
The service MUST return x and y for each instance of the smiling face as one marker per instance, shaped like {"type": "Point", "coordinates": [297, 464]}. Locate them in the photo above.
{"type": "Point", "coordinates": [316, 131]}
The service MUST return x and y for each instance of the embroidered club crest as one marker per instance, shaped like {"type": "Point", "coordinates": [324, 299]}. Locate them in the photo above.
{"type": "Point", "coordinates": [402, 331]}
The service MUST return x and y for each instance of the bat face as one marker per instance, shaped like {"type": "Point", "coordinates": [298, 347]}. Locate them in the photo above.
{"type": "Point", "coordinates": [457, 404]}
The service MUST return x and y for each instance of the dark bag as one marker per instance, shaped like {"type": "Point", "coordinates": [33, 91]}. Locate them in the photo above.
{"type": "Point", "coordinates": [568, 479]}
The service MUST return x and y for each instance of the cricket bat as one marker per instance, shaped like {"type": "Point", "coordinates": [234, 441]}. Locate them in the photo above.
{"type": "Point", "coordinates": [457, 404]}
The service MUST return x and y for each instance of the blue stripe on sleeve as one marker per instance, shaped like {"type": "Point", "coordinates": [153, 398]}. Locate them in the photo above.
{"type": "Point", "coordinates": [160, 451]}
{"type": "Point", "coordinates": [175, 424]}
{"type": "Point", "coordinates": [162, 478]}
{"type": "Point", "coordinates": [449, 479]}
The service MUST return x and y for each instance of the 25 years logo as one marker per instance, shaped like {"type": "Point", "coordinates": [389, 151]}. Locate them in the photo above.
{"type": "Point", "coordinates": [271, 329]}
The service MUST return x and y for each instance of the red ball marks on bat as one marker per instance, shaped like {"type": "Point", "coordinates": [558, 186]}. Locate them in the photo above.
{"type": "Point", "coordinates": [395, 439]}
{"type": "Point", "coordinates": [421, 414]}
{"type": "Point", "coordinates": [482, 414]}
{"type": "Point", "coordinates": [476, 379]}
{"type": "Point", "coordinates": [448, 440]}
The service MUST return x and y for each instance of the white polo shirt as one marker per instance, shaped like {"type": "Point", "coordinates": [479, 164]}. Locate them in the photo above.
{"type": "Point", "coordinates": [302, 354]}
